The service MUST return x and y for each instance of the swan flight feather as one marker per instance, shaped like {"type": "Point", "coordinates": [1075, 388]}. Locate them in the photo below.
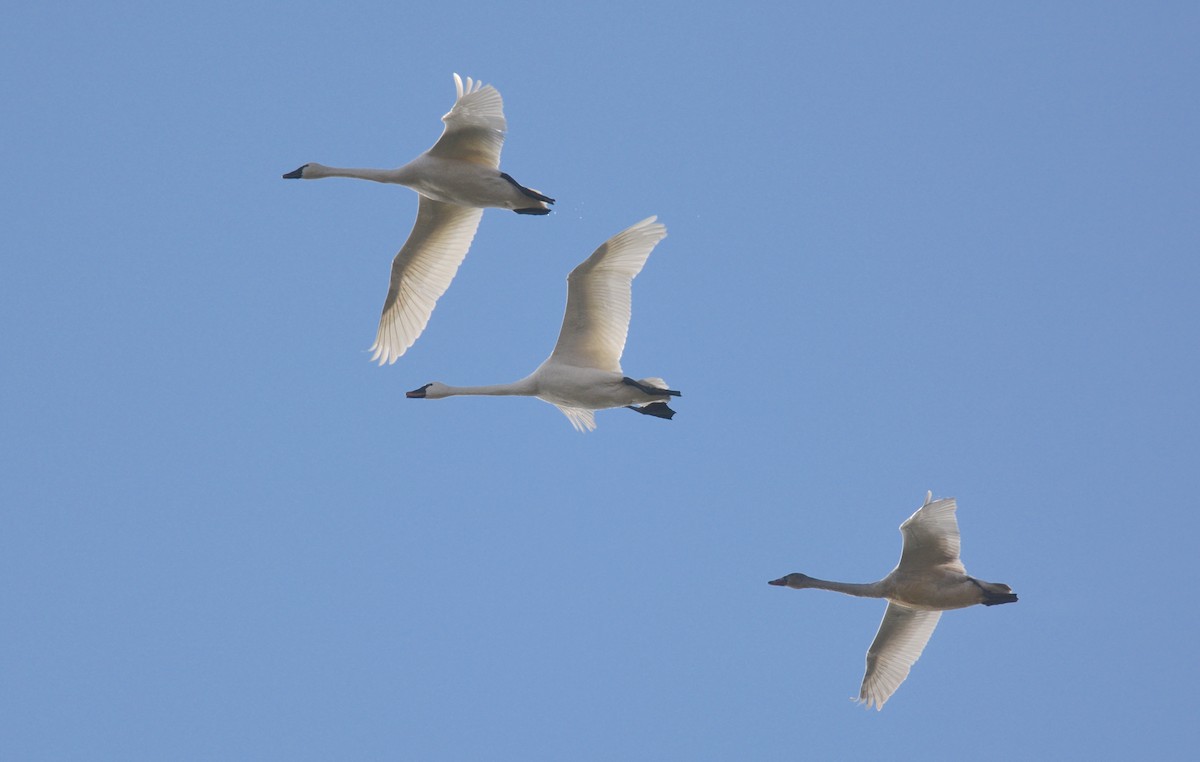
{"type": "Point", "coordinates": [898, 644]}
{"type": "Point", "coordinates": [582, 419]}
{"type": "Point", "coordinates": [931, 537]}
{"type": "Point", "coordinates": [600, 296]}
{"type": "Point", "coordinates": [475, 126]}
{"type": "Point", "coordinates": [421, 273]}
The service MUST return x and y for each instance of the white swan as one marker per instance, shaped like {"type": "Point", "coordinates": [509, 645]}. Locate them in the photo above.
{"type": "Point", "coordinates": [456, 179]}
{"type": "Point", "coordinates": [929, 579]}
{"type": "Point", "coordinates": [583, 373]}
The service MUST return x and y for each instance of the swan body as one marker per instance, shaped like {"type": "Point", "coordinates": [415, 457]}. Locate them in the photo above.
{"type": "Point", "coordinates": [456, 179]}
{"type": "Point", "coordinates": [583, 373]}
{"type": "Point", "coordinates": [929, 579]}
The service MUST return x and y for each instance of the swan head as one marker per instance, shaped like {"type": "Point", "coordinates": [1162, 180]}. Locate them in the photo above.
{"type": "Point", "coordinates": [310, 171]}
{"type": "Point", "coordinates": [794, 580]}
{"type": "Point", "coordinates": [432, 391]}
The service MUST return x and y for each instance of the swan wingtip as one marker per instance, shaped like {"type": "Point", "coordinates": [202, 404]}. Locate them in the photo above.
{"type": "Point", "coordinates": [652, 227]}
{"type": "Point", "coordinates": [383, 355]}
{"type": "Point", "coordinates": [470, 86]}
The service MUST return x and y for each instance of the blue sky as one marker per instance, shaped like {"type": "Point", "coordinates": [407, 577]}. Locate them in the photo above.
{"type": "Point", "coordinates": [923, 246]}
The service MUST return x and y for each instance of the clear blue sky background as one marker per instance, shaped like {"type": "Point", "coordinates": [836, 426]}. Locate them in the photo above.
{"type": "Point", "coordinates": [911, 246]}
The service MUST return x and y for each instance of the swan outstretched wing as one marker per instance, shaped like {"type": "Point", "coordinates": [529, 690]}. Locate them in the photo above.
{"type": "Point", "coordinates": [421, 272]}
{"type": "Point", "coordinates": [474, 127]}
{"type": "Point", "coordinates": [931, 537]}
{"type": "Point", "coordinates": [599, 298]}
{"type": "Point", "coordinates": [902, 636]}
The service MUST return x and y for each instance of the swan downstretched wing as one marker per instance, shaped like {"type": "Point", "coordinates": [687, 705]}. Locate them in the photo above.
{"type": "Point", "coordinates": [581, 419]}
{"type": "Point", "coordinates": [902, 636]}
{"type": "Point", "coordinates": [421, 272]}
{"type": "Point", "coordinates": [931, 537]}
{"type": "Point", "coordinates": [599, 298]}
{"type": "Point", "coordinates": [474, 127]}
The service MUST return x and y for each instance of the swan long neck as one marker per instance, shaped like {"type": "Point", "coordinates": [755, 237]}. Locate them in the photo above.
{"type": "Point", "coordinates": [861, 589]}
{"type": "Point", "coordinates": [522, 388]}
{"type": "Point", "coordinates": [315, 171]}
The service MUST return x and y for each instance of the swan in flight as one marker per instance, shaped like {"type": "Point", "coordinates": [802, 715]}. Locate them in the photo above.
{"type": "Point", "coordinates": [929, 579]}
{"type": "Point", "coordinates": [583, 373]}
{"type": "Point", "coordinates": [456, 179]}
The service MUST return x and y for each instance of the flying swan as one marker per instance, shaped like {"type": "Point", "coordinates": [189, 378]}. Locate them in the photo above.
{"type": "Point", "coordinates": [583, 373]}
{"type": "Point", "coordinates": [456, 179]}
{"type": "Point", "coordinates": [929, 579]}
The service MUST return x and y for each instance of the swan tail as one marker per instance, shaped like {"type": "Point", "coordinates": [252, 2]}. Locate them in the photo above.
{"type": "Point", "coordinates": [656, 409]}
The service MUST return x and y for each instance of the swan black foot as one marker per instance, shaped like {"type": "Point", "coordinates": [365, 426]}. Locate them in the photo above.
{"type": "Point", "coordinates": [994, 593]}
{"type": "Point", "coordinates": [532, 210]}
{"type": "Point", "coordinates": [652, 391]}
{"type": "Point", "coordinates": [995, 599]}
{"type": "Point", "coordinates": [528, 192]}
{"type": "Point", "coordinates": [656, 409]}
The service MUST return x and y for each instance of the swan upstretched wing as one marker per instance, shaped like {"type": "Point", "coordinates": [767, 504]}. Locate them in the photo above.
{"type": "Point", "coordinates": [902, 636]}
{"type": "Point", "coordinates": [474, 127]}
{"type": "Point", "coordinates": [599, 298]}
{"type": "Point", "coordinates": [421, 272]}
{"type": "Point", "coordinates": [931, 537]}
